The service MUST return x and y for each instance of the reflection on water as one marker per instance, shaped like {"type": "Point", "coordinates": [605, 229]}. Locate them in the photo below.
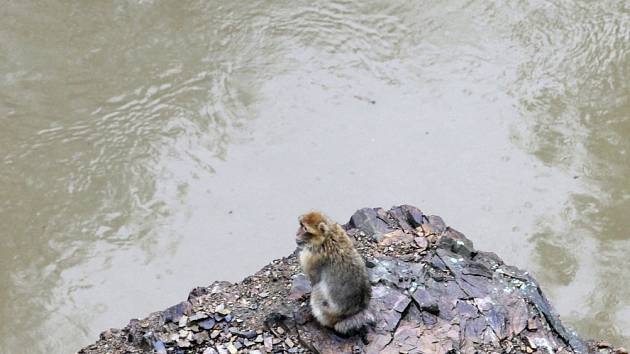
{"type": "Point", "coordinates": [148, 147]}
{"type": "Point", "coordinates": [574, 96]}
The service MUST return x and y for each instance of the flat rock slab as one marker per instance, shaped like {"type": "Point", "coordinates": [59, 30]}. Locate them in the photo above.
{"type": "Point", "coordinates": [432, 293]}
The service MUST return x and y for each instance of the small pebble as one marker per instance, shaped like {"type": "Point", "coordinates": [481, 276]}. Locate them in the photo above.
{"type": "Point", "coordinates": [200, 337]}
{"type": "Point", "coordinates": [248, 343]}
{"type": "Point", "coordinates": [198, 316]}
{"type": "Point", "coordinates": [232, 349]}
{"type": "Point", "coordinates": [268, 343]}
{"type": "Point", "coordinates": [603, 344]}
{"type": "Point", "coordinates": [183, 320]}
{"type": "Point", "coordinates": [531, 325]}
{"type": "Point", "coordinates": [207, 324]}
{"type": "Point", "coordinates": [183, 343]}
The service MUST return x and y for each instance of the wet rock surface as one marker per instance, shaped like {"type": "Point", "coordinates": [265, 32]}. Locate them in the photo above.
{"type": "Point", "coordinates": [432, 293]}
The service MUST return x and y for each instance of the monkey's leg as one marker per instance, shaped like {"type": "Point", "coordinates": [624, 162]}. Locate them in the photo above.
{"type": "Point", "coordinates": [321, 307]}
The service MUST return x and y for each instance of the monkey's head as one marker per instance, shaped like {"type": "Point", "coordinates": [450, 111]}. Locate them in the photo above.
{"type": "Point", "coordinates": [314, 227]}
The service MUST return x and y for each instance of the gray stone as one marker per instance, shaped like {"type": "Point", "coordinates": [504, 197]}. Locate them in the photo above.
{"type": "Point", "coordinates": [159, 347]}
{"type": "Point", "coordinates": [300, 287]}
{"type": "Point", "coordinates": [207, 324]}
{"type": "Point", "coordinates": [197, 316]}
{"type": "Point", "coordinates": [174, 313]}
{"type": "Point", "coordinates": [367, 220]}
{"type": "Point", "coordinates": [414, 215]}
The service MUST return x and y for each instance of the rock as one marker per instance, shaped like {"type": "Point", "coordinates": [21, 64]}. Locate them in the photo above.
{"type": "Point", "coordinates": [222, 310]}
{"type": "Point", "coordinates": [437, 223]}
{"type": "Point", "coordinates": [400, 215]}
{"type": "Point", "coordinates": [456, 242]}
{"type": "Point", "coordinates": [414, 215]}
{"type": "Point", "coordinates": [249, 334]}
{"type": "Point", "coordinates": [183, 343]}
{"type": "Point", "coordinates": [200, 337]}
{"type": "Point", "coordinates": [107, 334]}
{"type": "Point", "coordinates": [300, 287]}
{"type": "Point", "coordinates": [367, 220]}
{"type": "Point", "coordinates": [174, 313]}
{"type": "Point", "coordinates": [395, 237]}
{"type": "Point", "coordinates": [531, 325]}
{"type": "Point", "coordinates": [231, 348]}
{"type": "Point", "coordinates": [268, 341]}
{"type": "Point", "coordinates": [197, 316]}
{"type": "Point", "coordinates": [159, 347]}
{"type": "Point", "coordinates": [530, 342]}
{"type": "Point", "coordinates": [426, 302]}
{"type": "Point", "coordinates": [303, 315]}
{"type": "Point", "coordinates": [183, 321]}
{"type": "Point", "coordinates": [421, 242]}
{"type": "Point", "coordinates": [248, 343]}
{"type": "Point", "coordinates": [431, 292]}
{"type": "Point", "coordinates": [135, 334]}
{"type": "Point", "coordinates": [207, 324]}
{"type": "Point", "coordinates": [603, 344]}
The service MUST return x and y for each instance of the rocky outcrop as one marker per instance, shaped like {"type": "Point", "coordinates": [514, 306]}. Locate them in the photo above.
{"type": "Point", "coordinates": [432, 293]}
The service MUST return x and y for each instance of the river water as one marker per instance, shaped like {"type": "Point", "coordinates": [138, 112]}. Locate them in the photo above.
{"type": "Point", "coordinates": [147, 147]}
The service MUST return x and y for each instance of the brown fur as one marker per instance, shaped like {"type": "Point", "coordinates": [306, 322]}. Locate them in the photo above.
{"type": "Point", "coordinates": [341, 288]}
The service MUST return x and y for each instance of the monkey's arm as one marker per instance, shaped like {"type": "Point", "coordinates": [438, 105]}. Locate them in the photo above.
{"type": "Point", "coordinates": [311, 265]}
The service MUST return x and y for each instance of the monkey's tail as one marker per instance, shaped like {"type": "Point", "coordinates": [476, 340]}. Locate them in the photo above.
{"type": "Point", "coordinates": [355, 322]}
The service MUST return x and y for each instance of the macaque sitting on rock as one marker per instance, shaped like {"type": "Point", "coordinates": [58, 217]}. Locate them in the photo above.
{"type": "Point", "coordinates": [339, 279]}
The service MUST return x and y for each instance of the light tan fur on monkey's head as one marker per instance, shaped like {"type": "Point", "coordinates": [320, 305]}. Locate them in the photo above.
{"type": "Point", "coordinates": [314, 228]}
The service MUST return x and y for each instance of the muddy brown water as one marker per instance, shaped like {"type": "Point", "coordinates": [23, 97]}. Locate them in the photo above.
{"type": "Point", "coordinates": [147, 147]}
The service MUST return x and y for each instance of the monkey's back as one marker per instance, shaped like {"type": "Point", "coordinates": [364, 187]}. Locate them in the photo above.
{"type": "Point", "coordinates": [347, 282]}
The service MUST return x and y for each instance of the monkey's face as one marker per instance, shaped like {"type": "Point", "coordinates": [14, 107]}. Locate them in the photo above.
{"type": "Point", "coordinates": [300, 235]}
{"type": "Point", "coordinates": [312, 230]}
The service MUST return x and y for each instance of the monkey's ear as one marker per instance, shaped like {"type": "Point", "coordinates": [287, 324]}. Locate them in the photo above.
{"type": "Point", "coordinates": [322, 227]}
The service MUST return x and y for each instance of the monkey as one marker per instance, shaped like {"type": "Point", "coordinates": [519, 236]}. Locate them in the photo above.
{"type": "Point", "coordinates": [341, 289]}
